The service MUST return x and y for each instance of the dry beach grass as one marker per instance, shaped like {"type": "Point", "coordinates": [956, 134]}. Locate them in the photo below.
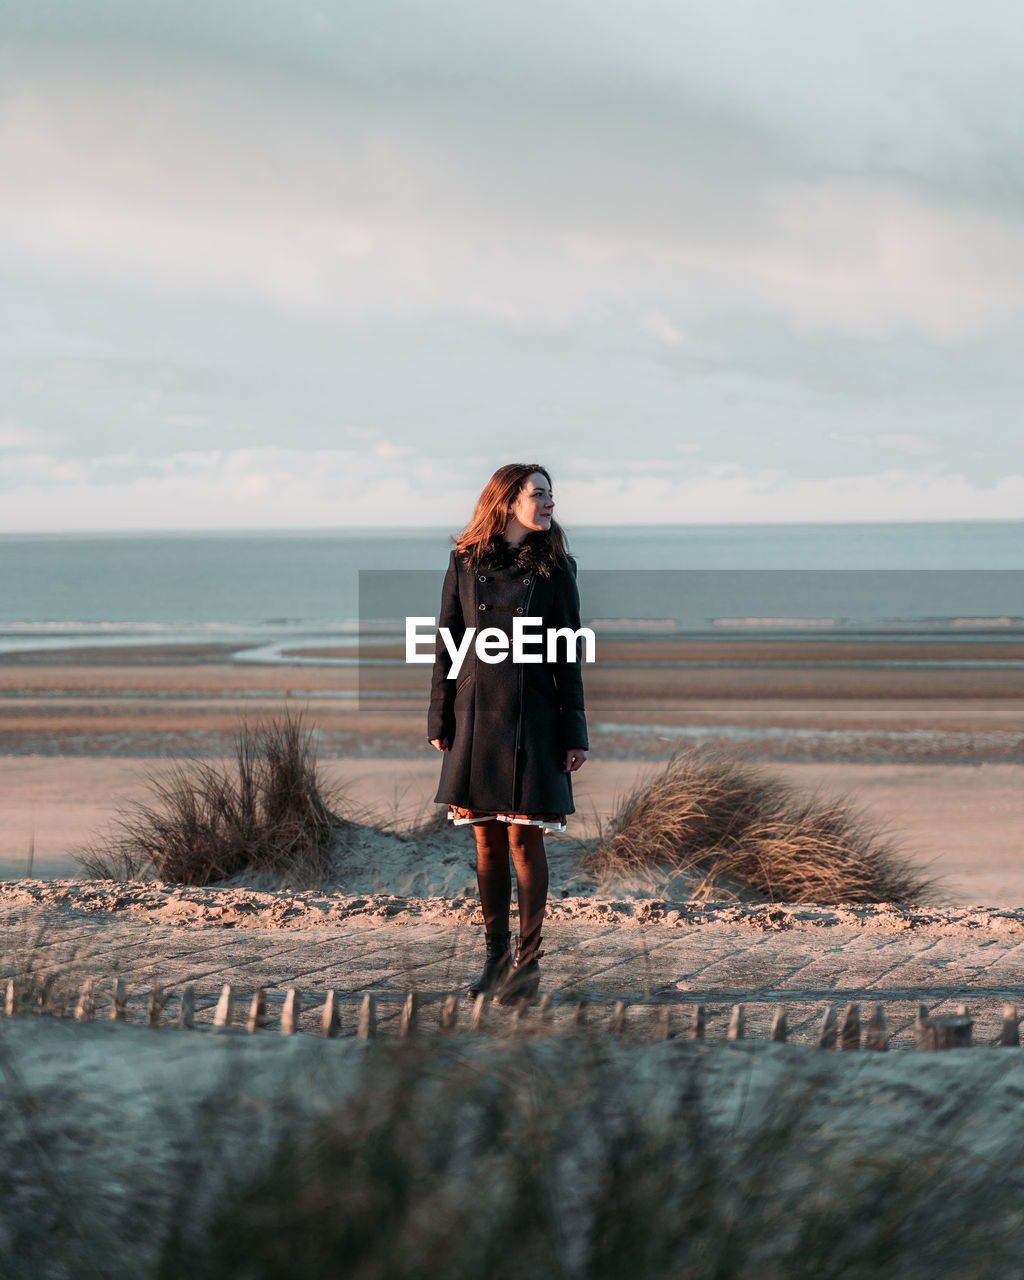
{"type": "Point", "coordinates": [733, 831]}
{"type": "Point", "coordinates": [271, 813]}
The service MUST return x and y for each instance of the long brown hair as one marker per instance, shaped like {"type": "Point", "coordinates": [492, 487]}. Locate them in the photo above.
{"type": "Point", "coordinates": [491, 514]}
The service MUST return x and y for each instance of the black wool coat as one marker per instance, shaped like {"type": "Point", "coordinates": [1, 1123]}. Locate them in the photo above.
{"type": "Point", "coordinates": [508, 724]}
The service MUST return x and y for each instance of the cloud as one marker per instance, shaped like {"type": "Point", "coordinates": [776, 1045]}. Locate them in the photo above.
{"type": "Point", "coordinates": [339, 488]}
{"type": "Point", "coordinates": [661, 327]}
{"type": "Point", "coordinates": [925, 88]}
{"type": "Point", "coordinates": [187, 419]}
{"type": "Point", "coordinates": [723, 245]}
{"type": "Point", "coordinates": [361, 201]}
{"type": "Point", "coordinates": [13, 435]}
{"type": "Point", "coordinates": [732, 494]}
{"type": "Point", "coordinates": [918, 446]}
{"type": "Point", "coordinates": [222, 488]}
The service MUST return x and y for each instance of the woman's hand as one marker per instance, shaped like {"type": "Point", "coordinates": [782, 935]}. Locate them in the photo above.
{"type": "Point", "coordinates": [574, 759]}
{"type": "Point", "coordinates": [440, 743]}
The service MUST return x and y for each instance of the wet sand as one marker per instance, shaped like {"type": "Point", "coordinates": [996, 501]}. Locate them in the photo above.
{"type": "Point", "coordinates": [842, 701]}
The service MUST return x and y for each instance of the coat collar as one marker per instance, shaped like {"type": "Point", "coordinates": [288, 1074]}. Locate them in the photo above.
{"type": "Point", "coordinates": [534, 555]}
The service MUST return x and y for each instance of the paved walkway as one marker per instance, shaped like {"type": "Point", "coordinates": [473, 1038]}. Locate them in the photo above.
{"type": "Point", "coordinates": [801, 958]}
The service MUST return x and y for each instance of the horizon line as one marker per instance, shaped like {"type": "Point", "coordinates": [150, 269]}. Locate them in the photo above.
{"type": "Point", "coordinates": [370, 530]}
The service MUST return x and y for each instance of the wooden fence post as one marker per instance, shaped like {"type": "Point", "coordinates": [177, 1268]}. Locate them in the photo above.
{"type": "Point", "coordinates": [828, 1031]}
{"type": "Point", "coordinates": [737, 1023]}
{"type": "Point", "coordinates": [1009, 1032]}
{"type": "Point", "coordinates": [187, 1012]}
{"type": "Point", "coordinates": [410, 1014]}
{"type": "Point", "coordinates": [876, 1034]}
{"type": "Point", "coordinates": [663, 1023]}
{"type": "Point", "coordinates": [618, 1021]}
{"type": "Point", "coordinates": [43, 999]}
{"type": "Point", "coordinates": [779, 1029]}
{"type": "Point", "coordinates": [579, 1014]}
{"type": "Point", "coordinates": [849, 1028]}
{"type": "Point", "coordinates": [257, 1019]}
{"type": "Point", "coordinates": [155, 1006]}
{"type": "Point", "coordinates": [119, 1008]}
{"type": "Point", "coordinates": [330, 1019]}
{"type": "Point", "coordinates": [10, 998]}
{"type": "Point", "coordinates": [85, 1009]}
{"type": "Point", "coordinates": [222, 1013]}
{"type": "Point", "coordinates": [944, 1032]}
{"type": "Point", "coordinates": [546, 1007]}
{"type": "Point", "coordinates": [450, 1013]}
{"type": "Point", "coordinates": [479, 1014]}
{"type": "Point", "coordinates": [290, 1012]}
{"type": "Point", "coordinates": [367, 1028]}
{"type": "Point", "coordinates": [698, 1024]}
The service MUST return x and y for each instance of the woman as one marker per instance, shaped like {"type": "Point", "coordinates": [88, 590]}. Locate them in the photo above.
{"type": "Point", "coordinates": [512, 733]}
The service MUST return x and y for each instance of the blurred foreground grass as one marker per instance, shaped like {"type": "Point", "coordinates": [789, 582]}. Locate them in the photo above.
{"type": "Point", "coordinates": [452, 1157]}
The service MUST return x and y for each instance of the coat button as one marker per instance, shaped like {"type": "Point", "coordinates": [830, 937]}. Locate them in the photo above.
{"type": "Point", "coordinates": [520, 609]}
{"type": "Point", "coordinates": [483, 577]}
{"type": "Point", "coordinates": [482, 608]}
{"type": "Point", "coordinates": [526, 582]}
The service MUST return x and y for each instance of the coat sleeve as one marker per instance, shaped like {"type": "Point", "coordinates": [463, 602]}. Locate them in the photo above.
{"type": "Point", "coordinates": [569, 675]}
{"type": "Point", "coordinates": [441, 715]}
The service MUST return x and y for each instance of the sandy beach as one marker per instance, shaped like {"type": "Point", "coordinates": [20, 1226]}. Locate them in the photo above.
{"type": "Point", "coordinates": [925, 738]}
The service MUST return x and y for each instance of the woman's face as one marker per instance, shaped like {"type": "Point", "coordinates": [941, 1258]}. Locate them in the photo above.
{"type": "Point", "coordinates": [534, 503]}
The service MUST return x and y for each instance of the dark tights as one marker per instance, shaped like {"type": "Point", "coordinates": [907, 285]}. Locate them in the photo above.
{"type": "Point", "coordinates": [494, 842]}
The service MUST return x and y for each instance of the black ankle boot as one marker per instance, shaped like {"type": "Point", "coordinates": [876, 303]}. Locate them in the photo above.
{"type": "Point", "coordinates": [524, 976]}
{"type": "Point", "coordinates": [496, 966]}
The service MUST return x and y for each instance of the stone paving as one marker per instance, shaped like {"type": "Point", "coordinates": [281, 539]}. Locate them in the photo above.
{"type": "Point", "coordinates": [819, 957]}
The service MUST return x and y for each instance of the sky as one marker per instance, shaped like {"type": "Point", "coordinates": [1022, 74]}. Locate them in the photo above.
{"type": "Point", "coordinates": [327, 265]}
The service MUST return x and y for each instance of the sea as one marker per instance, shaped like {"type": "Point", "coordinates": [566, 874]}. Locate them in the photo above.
{"type": "Point", "coordinates": [269, 592]}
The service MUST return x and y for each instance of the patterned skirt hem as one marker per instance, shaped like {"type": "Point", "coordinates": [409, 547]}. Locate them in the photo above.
{"type": "Point", "coordinates": [553, 822]}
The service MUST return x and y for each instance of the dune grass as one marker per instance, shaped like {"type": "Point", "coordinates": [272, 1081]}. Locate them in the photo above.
{"type": "Point", "coordinates": [550, 1164]}
{"type": "Point", "coordinates": [558, 1158]}
{"type": "Point", "coordinates": [735, 832]}
{"type": "Point", "coordinates": [271, 813]}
